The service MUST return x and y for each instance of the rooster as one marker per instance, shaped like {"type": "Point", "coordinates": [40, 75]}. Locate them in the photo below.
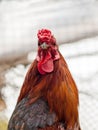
{"type": "Point", "coordinates": [48, 98]}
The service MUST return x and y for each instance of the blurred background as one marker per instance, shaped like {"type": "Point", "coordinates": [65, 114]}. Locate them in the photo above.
{"type": "Point", "coordinates": [75, 26]}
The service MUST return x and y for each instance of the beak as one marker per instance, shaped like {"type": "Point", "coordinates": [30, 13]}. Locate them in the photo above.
{"type": "Point", "coordinates": [44, 45]}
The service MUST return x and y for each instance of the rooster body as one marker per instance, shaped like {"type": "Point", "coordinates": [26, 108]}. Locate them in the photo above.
{"type": "Point", "coordinates": [49, 97]}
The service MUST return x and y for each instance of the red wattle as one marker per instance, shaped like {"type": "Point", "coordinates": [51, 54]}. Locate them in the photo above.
{"type": "Point", "coordinates": [48, 66]}
{"type": "Point", "coordinates": [45, 66]}
{"type": "Point", "coordinates": [40, 69]}
{"type": "Point", "coordinates": [46, 60]}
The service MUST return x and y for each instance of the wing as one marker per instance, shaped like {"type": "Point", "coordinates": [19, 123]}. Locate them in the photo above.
{"type": "Point", "coordinates": [31, 117]}
{"type": "Point", "coordinates": [36, 116]}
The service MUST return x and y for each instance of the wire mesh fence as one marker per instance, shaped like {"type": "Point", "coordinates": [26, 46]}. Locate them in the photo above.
{"type": "Point", "coordinates": [70, 21]}
{"type": "Point", "coordinates": [85, 73]}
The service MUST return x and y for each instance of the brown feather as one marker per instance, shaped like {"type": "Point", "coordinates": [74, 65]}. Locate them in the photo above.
{"type": "Point", "coordinates": [49, 97]}
{"type": "Point", "coordinates": [56, 126]}
{"type": "Point", "coordinates": [62, 96]}
{"type": "Point", "coordinates": [57, 87]}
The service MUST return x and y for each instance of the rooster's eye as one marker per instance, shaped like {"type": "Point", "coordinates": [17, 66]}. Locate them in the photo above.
{"type": "Point", "coordinates": [39, 43]}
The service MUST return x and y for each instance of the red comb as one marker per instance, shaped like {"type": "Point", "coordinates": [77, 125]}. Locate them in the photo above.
{"type": "Point", "coordinates": [45, 35]}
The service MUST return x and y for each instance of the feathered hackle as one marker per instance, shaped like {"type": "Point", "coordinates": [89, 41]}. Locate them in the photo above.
{"type": "Point", "coordinates": [49, 97]}
{"type": "Point", "coordinates": [57, 87]}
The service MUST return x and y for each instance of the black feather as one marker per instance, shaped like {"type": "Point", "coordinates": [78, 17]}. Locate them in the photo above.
{"type": "Point", "coordinates": [31, 117]}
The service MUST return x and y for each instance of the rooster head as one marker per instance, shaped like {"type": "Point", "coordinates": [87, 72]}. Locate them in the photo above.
{"type": "Point", "coordinates": [45, 39]}
{"type": "Point", "coordinates": [47, 51]}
